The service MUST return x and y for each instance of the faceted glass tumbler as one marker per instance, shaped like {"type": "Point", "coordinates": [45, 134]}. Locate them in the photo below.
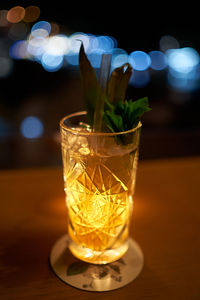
{"type": "Point", "coordinates": [99, 179]}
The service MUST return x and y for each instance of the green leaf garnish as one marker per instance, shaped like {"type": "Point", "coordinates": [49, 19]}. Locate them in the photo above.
{"type": "Point", "coordinates": [118, 83]}
{"type": "Point", "coordinates": [103, 79]}
{"type": "Point", "coordinates": [105, 101]}
{"type": "Point", "coordinates": [114, 122]}
{"type": "Point", "coordinates": [90, 84]}
{"type": "Point", "coordinates": [125, 116]}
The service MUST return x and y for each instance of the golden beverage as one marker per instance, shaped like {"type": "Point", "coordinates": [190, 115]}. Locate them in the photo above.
{"type": "Point", "coordinates": [99, 175]}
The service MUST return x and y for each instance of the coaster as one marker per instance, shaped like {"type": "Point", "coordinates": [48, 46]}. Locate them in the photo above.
{"type": "Point", "coordinates": [92, 277]}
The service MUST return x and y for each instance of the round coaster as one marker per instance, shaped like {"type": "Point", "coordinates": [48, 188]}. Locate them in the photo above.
{"type": "Point", "coordinates": [92, 277]}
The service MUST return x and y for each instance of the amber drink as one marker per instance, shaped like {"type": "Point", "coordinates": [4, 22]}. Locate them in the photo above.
{"type": "Point", "coordinates": [99, 177]}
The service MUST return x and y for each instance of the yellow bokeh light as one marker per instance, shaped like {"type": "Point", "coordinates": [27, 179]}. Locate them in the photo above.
{"type": "Point", "coordinates": [16, 14]}
{"type": "Point", "coordinates": [32, 13]}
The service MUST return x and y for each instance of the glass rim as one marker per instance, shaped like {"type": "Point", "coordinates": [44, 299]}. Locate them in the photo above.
{"type": "Point", "coordinates": [74, 131]}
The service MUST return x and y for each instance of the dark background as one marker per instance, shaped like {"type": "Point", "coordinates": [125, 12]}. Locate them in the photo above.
{"type": "Point", "coordinates": [171, 129]}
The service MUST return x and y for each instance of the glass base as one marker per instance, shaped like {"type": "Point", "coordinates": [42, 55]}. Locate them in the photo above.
{"type": "Point", "coordinates": [97, 257]}
{"type": "Point", "coordinates": [95, 277]}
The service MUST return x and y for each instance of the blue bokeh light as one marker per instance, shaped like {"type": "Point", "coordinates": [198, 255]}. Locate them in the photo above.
{"type": "Point", "coordinates": [18, 50]}
{"type": "Point", "coordinates": [139, 60]}
{"type": "Point", "coordinates": [119, 56]}
{"type": "Point", "coordinates": [119, 60]}
{"type": "Point", "coordinates": [51, 63]}
{"type": "Point", "coordinates": [158, 60]}
{"type": "Point", "coordinates": [31, 127]}
{"type": "Point", "coordinates": [72, 58]}
{"type": "Point", "coordinates": [185, 81]}
{"type": "Point", "coordinates": [103, 42]}
{"type": "Point", "coordinates": [184, 68]}
{"type": "Point", "coordinates": [45, 26]}
{"type": "Point", "coordinates": [183, 60]}
{"type": "Point", "coordinates": [35, 46]}
{"type": "Point", "coordinates": [75, 41]}
{"type": "Point", "coordinates": [95, 57]}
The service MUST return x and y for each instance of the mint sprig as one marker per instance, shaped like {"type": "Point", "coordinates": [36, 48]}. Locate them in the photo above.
{"type": "Point", "coordinates": [125, 116]}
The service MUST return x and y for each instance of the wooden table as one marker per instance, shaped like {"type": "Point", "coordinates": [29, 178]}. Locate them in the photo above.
{"type": "Point", "coordinates": [166, 224]}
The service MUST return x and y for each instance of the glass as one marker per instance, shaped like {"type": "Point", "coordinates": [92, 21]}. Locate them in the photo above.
{"type": "Point", "coordinates": [99, 179]}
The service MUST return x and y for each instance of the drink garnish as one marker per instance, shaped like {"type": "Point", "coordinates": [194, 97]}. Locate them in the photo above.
{"type": "Point", "coordinates": [107, 109]}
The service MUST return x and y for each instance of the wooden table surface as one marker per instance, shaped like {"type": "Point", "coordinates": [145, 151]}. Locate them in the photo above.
{"type": "Point", "coordinates": [166, 224]}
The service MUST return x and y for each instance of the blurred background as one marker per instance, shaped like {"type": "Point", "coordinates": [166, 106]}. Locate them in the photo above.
{"type": "Point", "coordinates": [40, 83]}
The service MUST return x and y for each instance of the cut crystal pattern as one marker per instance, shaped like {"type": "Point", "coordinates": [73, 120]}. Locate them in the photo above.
{"type": "Point", "coordinates": [98, 205]}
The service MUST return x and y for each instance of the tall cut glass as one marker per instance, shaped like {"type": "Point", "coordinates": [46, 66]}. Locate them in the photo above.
{"type": "Point", "coordinates": [99, 179]}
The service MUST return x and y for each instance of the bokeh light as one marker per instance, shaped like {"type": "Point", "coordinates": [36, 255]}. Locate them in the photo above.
{"type": "Point", "coordinates": [32, 13]}
{"type": "Point", "coordinates": [51, 63]}
{"type": "Point", "coordinates": [55, 29]}
{"type": "Point", "coordinates": [95, 57]}
{"type": "Point", "coordinates": [139, 60]}
{"type": "Point", "coordinates": [41, 28]}
{"type": "Point", "coordinates": [46, 45]}
{"type": "Point", "coordinates": [158, 60]}
{"type": "Point", "coordinates": [118, 55]}
{"type": "Point", "coordinates": [31, 127]}
{"type": "Point", "coordinates": [75, 43]}
{"type": "Point", "coordinates": [186, 82]}
{"type": "Point", "coordinates": [18, 31]}
{"type": "Point", "coordinates": [76, 40]}
{"type": "Point", "coordinates": [93, 42]}
{"type": "Point", "coordinates": [72, 59]}
{"type": "Point", "coordinates": [3, 17]}
{"type": "Point", "coordinates": [18, 50]}
{"type": "Point", "coordinates": [58, 45]}
{"type": "Point", "coordinates": [36, 46]}
{"type": "Point", "coordinates": [119, 60]}
{"type": "Point", "coordinates": [184, 68]}
{"type": "Point", "coordinates": [183, 60]}
{"type": "Point", "coordinates": [40, 32]}
{"type": "Point", "coordinates": [103, 42]}
{"type": "Point", "coordinates": [168, 42]}
{"type": "Point", "coordinates": [6, 66]}
{"type": "Point", "coordinates": [16, 14]}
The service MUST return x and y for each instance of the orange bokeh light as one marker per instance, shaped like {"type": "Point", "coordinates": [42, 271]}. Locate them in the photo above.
{"type": "Point", "coordinates": [32, 13]}
{"type": "Point", "coordinates": [16, 14]}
